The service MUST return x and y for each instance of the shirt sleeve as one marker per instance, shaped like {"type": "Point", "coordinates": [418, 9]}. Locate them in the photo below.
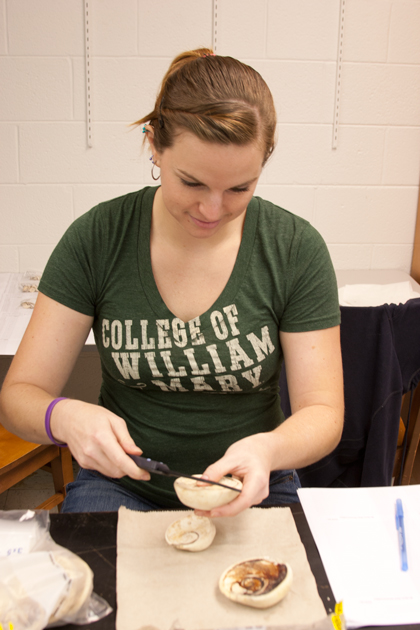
{"type": "Point", "coordinates": [73, 272]}
{"type": "Point", "coordinates": [312, 294]}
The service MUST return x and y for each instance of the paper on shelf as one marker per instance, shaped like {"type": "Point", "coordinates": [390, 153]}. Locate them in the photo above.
{"type": "Point", "coordinates": [376, 294]}
{"type": "Point", "coordinates": [356, 535]}
{"type": "Point", "coordinates": [14, 318]}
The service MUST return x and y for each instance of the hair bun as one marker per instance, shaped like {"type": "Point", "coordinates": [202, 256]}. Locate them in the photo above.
{"type": "Point", "coordinates": [223, 101]}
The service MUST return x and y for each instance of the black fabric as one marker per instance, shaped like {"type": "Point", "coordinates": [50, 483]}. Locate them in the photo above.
{"type": "Point", "coordinates": [381, 362]}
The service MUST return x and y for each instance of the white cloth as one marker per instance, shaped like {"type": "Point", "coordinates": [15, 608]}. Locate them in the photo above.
{"type": "Point", "coordinates": [162, 587]}
{"type": "Point", "coordinates": [376, 294]}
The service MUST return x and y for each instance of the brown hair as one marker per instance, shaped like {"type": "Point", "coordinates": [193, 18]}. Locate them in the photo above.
{"type": "Point", "coordinates": [219, 99]}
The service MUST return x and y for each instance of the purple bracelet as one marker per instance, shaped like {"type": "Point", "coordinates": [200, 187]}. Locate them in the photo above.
{"type": "Point", "coordinates": [48, 421]}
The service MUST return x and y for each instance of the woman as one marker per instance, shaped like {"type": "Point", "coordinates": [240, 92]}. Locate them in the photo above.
{"type": "Point", "coordinates": [195, 290]}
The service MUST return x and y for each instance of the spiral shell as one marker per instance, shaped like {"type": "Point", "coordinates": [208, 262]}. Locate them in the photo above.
{"type": "Point", "coordinates": [191, 533]}
{"type": "Point", "coordinates": [257, 582]}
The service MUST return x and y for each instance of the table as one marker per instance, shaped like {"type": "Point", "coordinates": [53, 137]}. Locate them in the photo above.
{"type": "Point", "coordinates": [92, 536]}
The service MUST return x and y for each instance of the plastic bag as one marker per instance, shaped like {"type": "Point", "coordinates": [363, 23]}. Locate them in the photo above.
{"type": "Point", "coordinates": [42, 584]}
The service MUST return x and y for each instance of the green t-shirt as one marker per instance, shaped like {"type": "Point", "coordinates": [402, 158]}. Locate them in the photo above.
{"type": "Point", "coordinates": [188, 390]}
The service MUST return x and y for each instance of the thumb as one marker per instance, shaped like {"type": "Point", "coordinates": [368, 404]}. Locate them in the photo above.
{"type": "Point", "coordinates": [124, 438]}
{"type": "Point", "coordinates": [131, 448]}
{"type": "Point", "coordinates": [216, 471]}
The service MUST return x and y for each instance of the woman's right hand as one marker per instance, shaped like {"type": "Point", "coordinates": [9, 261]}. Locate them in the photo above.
{"type": "Point", "coordinates": [97, 438]}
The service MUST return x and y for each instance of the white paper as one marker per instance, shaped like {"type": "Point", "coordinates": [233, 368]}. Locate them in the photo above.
{"type": "Point", "coordinates": [14, 318]}
{"type": "Point", "coordinates": [356, 535]}
{"type": "Point", "coordinates": [376, 294]}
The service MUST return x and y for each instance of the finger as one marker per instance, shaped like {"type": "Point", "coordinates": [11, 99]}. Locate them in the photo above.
{"type": "Point", "coordinates": [243, 502]}
{"type": "Point", "coordinates": [132, 470]}
{"type": "Point", "coordinates": [119, 467]}
{"type": "Point", "coordinates": [133, 449]}
{"type": "Point", "coordinates": [127, 465]}
{"type": "Point", "coordinates": [254, 490]}
{"type": "Point", "coordinates": [235, 506]}
{"type": "Point", "coordinates": [145, 475]}
{"type": "Point", "coordinates": [107, 456]}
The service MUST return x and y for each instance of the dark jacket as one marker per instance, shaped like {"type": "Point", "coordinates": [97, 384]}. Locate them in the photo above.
{"type": "Point", "coordinates": [381, 362]}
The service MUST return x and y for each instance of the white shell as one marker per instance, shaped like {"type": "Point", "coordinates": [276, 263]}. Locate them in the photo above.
{"type": "Point", "coordinates": [258, 582]}
{"type": "Point", "coordinates": [80, 578]}
{"type": "Point", "coordinates": [205, 497]}
{"type": "Point", "coordinates": [191, 533]}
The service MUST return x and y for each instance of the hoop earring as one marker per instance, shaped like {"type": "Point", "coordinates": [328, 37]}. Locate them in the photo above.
{"type": "Point", "coordinates": [153, 176]}
{"type": "Point", "coordinates": [152, 159]}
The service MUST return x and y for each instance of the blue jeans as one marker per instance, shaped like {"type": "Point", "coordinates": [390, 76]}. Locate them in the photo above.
{"type": "Point", "coordinates": [93, 492]}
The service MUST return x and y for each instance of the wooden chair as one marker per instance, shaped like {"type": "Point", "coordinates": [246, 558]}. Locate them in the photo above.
{"type": "Point", "coordinates": [19, 459]}
{"type": "Point", "coordinates": [408, 445]}
{"type": "Point", "coordinates": [413, 433]}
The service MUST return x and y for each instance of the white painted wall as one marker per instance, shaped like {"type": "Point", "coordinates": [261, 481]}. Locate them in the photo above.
{"type": "Point", "coordinates": [361, 196]}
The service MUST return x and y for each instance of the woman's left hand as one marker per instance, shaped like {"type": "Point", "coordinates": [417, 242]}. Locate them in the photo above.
{"type": "Point", "coordinates": [250, 460]}
{"type": "Point", "coordinates": [315, 383]}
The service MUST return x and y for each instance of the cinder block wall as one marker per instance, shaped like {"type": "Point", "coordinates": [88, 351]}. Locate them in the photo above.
{"type": "Point", "coordinates": [362, 196]}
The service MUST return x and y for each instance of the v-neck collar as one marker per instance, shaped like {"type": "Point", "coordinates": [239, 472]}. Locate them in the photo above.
{"type": "Point", "coordinates": [231, 288]}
